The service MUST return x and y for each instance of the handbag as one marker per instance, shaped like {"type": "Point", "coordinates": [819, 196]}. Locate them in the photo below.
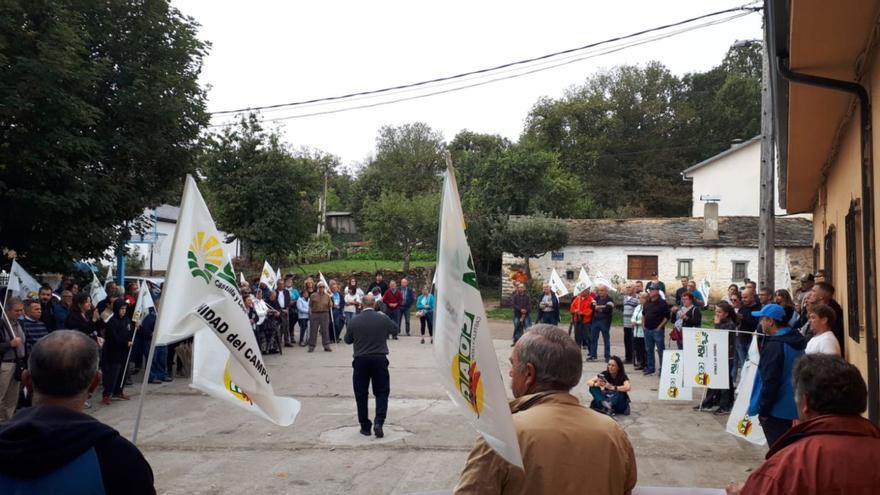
{"type": "Point", "coordinates": [675, 335]}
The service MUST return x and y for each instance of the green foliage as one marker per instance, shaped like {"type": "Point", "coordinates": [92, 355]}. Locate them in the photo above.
{"type": "Point", "coordinates": [99, 109]}
{"type": "Point", "coordinates": [403, 224]}
{"type": "Point", "coordinates": [532, 237]}
{"type": "Point", "coordinates": [258, 191]}
{"type": "Point", "coordinates": [353, 265]}
{"type": "Point", "coordinates": [318, 248]}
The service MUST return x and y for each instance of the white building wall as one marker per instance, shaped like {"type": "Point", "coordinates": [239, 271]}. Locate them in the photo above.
{"type": "Point", "coordinates": [612, 262]}
{"type": "Point", "coordinates": [736, 178]}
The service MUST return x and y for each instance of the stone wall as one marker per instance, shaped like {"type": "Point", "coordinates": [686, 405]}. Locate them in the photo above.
{"type": "Point", "coordinates": [612, 262]}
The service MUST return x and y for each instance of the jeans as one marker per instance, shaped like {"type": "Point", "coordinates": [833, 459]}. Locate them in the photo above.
{"type": "Point", "coordinates": [394, 314]}
{"type": "Point", "coordinates": [600, 327]}
{"type": "Point", "coordinates": [159, 370]}
{"type": "Point", "coordinates": [369, 369]}
{"type": "Point", "coordinates": [336, 325]}
{"type": "Point", "coordinates": [619, 400]}
{"type": "Point", "coordinates": [404, 315]}
{"type": "Point", "coordinates": [520, 328]}
{"type": "Point", "coordinates": [654, 338]}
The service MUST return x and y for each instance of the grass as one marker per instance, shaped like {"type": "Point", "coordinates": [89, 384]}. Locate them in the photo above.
{"type": "Point", "coordinates": [506, 314]}
{"type": "Point", "coordinates": [345, 266]}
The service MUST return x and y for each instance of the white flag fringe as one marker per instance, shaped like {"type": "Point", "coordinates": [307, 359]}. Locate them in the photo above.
{"type": "Point", "coordinates": [583, 282]}
{"type": "Point", "coordinates": [463, 347]}
{"type": "Point", "coordinates": [557, 285]}
{"type": "Point", "coordinates": [201, 298]}
{"type": "Point", "coordinates": [740, 424]}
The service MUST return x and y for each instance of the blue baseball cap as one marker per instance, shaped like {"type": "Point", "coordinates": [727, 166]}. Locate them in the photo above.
{"type": "Point", "coordinates": [773, 311]}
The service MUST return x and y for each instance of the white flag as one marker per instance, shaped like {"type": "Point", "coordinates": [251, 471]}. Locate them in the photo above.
{"type": "Point", "coordinates": [96, 290]}
{"type": "Point", "coordinates": [202, 299]}
{"type": "Point", "coordinates": [241, 278]}
{"type": "Point", "coordinates": [786, 276]}
{"type": "Point", "coordinates": [704, 289]}
{"type": "Point", "coordinates": [740, 424]}
{"type": "Point", "coordinates": [322, 279]}
{"type": "Point", "coordinates": [705, 358]}
{"type": "Point", "coordinates": [463, 347]}
{"type": "Point", "coordinates": [583, 282]}
{"type": "Point", "coordinates": [557, 285]}
{"type": "Point", "coordinates": [109, 277]}
{"type": "Point", "coordinates": [277, 277]}
{"type": "Point", "coordinates": [24, 284]}
{"type": "Point", "coordinates": [600, 279]}
{"type": "Point", "coordinates": [144, 304]}
{"type": "Point", "coordinates": [268, 275]}
{"type": "Point", "coordinates": [672, 378]}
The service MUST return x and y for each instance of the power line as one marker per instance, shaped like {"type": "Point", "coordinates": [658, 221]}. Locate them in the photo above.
{"type": "Point", "coordinates": [741, 8]}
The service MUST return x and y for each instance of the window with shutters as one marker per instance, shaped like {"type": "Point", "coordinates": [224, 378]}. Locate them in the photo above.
{"type": "Point", "coordinates": [641, 267]}
{"type": "Point", "coordinates": [740, 271]}
{"type": "Point", "coordinates": [828, 265]}
{"type": "Point", "coordinates": [685, 268]}
{"type": "Point", "coordinates": [852, 272]}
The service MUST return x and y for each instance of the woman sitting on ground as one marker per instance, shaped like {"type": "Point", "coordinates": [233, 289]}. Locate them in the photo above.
{"type": "Point", "coordinates": [821, 322]}
{"type": "Point", "coordinates": [610, 389]}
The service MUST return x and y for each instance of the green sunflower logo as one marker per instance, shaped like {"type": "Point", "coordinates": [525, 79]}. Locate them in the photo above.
{"type": "Point", "coordinates": [205, 256]}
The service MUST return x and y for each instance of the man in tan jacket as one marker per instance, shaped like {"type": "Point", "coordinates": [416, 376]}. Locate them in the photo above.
{"type": "Point", "coordinates": [566, 447]}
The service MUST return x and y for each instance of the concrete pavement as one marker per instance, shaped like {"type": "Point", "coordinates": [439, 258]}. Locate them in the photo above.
{"type": "Point", "coordinates": [198, 445]}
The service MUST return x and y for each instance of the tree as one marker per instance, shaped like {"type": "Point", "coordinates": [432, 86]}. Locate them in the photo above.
{"type": "Point", "coordinates": [532, 237]}
{"type": "Point", "coordinates": [258, 191]}
{"type": "Point", "coordinates": [400, 224]}
{"type": "Point", "coordinates": [100, 108]}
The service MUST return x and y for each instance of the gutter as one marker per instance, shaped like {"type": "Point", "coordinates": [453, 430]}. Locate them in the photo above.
{"type": "Point", "coordinates": [868, 234]}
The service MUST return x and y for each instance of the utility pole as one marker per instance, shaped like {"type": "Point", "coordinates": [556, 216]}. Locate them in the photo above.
{"type": "Point", "coordinates": [767, 219]}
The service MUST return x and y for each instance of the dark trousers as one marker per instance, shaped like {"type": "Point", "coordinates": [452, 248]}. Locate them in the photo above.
{"type": "Point", "coordinates": [112, 378]}
{"type": "Point", "coordinates": [404, 316]}
{"type": "Point", "coordinates": [427, 320]}
{"type": "Point", "coordinates": [336, 325]}
{"type": "Point", "coordinates": [602, 327]}
{"type": "Point", "coordinates": [371, 369]}
{"type": "Point", "coordinates": [582, 333]}
{"type": "Point", "coordinates": [627, 344]}
{"type": "Point", "coordinates": [639, 351]}
{"type": "Point", "coordinates": [394, 314]}
{"type": "Point", "coordinates": [303, 329]}
{"type": "Point", "coordinates": [286, 328]}
{"type": "Point", "coordinates": [774, 428]}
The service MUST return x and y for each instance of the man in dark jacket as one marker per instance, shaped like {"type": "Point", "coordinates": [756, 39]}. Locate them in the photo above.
{"type": "Point", "coordinates": [748, 323]}
{"type": "Point", "coordinates": [408, 297]}
{"type": "Point", "coordinates": [47, 307]}
{"type": "Point", "coordinates": [833, 449]}
{"type": "Point", "coordinates": [53, 446]}
{"type": "Point", "coordinates": [773, 394]}
{"type": "Point", "coordinates": [369, 331]}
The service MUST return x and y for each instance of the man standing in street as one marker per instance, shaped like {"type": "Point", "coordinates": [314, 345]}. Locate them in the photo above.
{"type": "Point", "coordinates": [379, 282]}
{"type": "Point", "coordinates": [522, 319]}
{"type": "Point", "coordinates": [772, 398]}
{"type": "Point", "coordinates": [807, 282]}
{"type": "Point", "coordinates": [603, 308]}
{"type": "Point", "coordinates": [548, 307]}
{"type": "Point", "coordinates": [320, 305]}
{"type": "Point", "coordinates": [33, 326]}
{"type": "Point", "coordinates": [680, 291]}
{"type": "Point", "coordinates": [53, 447]}
{"type": "Point", "coordinates": [392, 299]}
{"type": "Point", "coordinates": [11, 354]}
{"type": "Point", "coordinates": [47, 307]}
{"type": "Point", "coordinates": [823, 293]}
{"type": "Point", "coordinates": [556, 433]}
{"type": "Point", "coordinates": [368, 331]}
{"type": "Point", "coordinates": [284, 304]}
{"type": "Point", "coordinates": [409, 298]}
{"type": "Point", "coordinates": [655, 314]}
{"type": "Point", "coordinates": [748, 326]}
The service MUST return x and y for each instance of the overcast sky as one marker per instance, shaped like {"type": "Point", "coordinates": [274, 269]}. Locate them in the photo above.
{"type": "Point", "coordinates": [265, 52]}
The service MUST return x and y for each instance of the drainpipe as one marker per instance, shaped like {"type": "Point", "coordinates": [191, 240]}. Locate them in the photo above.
{"type": "Point", "coordinates": [870, 285]}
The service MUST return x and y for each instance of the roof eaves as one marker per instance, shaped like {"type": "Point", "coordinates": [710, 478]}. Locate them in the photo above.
{"type": "Point", "coordinates": [732, 149]}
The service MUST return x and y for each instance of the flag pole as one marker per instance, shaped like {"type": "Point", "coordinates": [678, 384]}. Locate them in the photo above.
{"type": "Point", "coordinates": [128, 358]}
{"type": "Point", "coordinates": [151, 354]}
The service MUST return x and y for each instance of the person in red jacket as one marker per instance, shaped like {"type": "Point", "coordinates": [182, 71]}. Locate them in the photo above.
{"type": "Point", "coordinates": [393, 299]}
{"type": "Point", "coordinates": [582, 316]}
{"type": "Point", "coordinates": [833, 449]}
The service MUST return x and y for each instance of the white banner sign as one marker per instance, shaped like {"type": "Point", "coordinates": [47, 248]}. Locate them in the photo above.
{"type": "Point", "coordinates": [583, 282]}
{"type": "Point", "coordinates": [705, 358]}
{"type": "Point", "coordinates": [268, 276]}
{"type": "Point", "coordinates": [740, 424]}
{"type": "Point", "coordinates": [672, 378]}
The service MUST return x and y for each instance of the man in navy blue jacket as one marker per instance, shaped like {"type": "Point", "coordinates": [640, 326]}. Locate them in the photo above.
{"type": "Point", "coordinates": [409, 298]}
{"type": "Point", "coordinates": [773, 395]}
{"type": "Point", "coordinates": [53, 447]}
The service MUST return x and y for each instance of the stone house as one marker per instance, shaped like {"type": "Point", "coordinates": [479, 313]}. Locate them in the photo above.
{"type": "Point", "coordinates": [725, 248]}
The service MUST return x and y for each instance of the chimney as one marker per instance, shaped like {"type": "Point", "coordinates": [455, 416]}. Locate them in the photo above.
{"type": "Point", "coordinates": [710, 225]}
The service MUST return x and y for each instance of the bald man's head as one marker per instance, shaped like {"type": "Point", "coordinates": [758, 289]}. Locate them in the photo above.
{"type": "Point", "coordinates": [63, 364]}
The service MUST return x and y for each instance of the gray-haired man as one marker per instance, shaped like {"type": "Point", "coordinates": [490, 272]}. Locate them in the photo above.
{"type": "Point", "coordinates": [545, 365]}
{"type": "Point", "coordinates": [53, 447]}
